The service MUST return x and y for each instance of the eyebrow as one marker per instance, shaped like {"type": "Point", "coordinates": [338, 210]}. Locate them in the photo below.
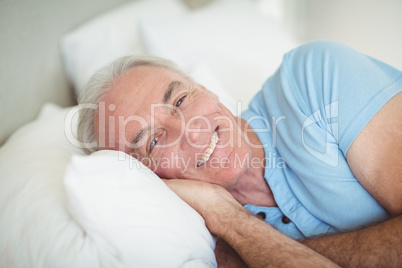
{"type": "Point", "coordinates": [140, 135]}
{"type": "Point", "coordinates": [174, 85]}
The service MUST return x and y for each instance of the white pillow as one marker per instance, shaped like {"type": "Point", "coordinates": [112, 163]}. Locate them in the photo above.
{"type": "Point", "coordinates": [240, 46]}
{"type": "Point", "coordinates": [109, 36]}
{"type": "Point", "coordinates": [37, 230]}
{"type": "Point", "coordinates": [120, 203]}
{"type": "Point", "coordinates": [35, 227]}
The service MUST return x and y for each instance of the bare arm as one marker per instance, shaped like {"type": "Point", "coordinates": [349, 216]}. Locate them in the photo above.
{"type": "Point", "coordinates": [376, 246]}
{"type": "Point", "coordinates": [256, 242]}
{"type": "Point", "coordinates": [375, 158]}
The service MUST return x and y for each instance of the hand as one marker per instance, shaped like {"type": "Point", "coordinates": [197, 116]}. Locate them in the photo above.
{"type": "Point", "coordinates": [210, 200]}
{"type": "Point", "coordinates": [257, 243]}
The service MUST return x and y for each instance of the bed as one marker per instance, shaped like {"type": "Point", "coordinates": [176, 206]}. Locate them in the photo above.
{"type": "Point", "coordinates": [62, 208]}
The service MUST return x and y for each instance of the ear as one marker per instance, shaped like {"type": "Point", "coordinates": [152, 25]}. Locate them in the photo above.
{"type": "Point", "coordinates": [209, 91]}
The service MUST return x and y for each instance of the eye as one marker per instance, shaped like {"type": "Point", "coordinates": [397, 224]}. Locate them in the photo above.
{"type": "Point", "coordinates": [153, 143]}
{"type": "Point", "coordinates": [179, 101]}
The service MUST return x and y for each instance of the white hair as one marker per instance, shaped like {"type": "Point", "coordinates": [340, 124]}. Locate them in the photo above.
{"type": "Point", "coordinates": [98, 86]}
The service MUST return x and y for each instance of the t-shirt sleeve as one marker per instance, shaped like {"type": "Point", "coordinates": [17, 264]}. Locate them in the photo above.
{"type": "Point", "coordinates": [340, 85]}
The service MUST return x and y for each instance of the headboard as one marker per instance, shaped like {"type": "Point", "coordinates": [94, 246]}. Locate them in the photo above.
{"type": "Point", "coordinates": [31, 71]}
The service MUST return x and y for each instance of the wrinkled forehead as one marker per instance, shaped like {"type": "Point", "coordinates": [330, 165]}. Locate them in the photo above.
{"type": "Point", "coordinates": [134, 92]}
{"type": "Point", "coordinates": [141, 82]}
{"type": "Point", "coordinates": [126, 108]}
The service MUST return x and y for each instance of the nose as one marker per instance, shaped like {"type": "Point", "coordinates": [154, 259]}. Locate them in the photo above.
{"type": "Point", "coordinates": [194, 130]}
{"type": "Point", "coordinates": [189, 132]}
{"type": "Point", "coordinates": [197, 132]}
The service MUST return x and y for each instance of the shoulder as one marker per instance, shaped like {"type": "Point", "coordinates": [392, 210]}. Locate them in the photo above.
{"type": "Point", "coordinates": [319, 48]}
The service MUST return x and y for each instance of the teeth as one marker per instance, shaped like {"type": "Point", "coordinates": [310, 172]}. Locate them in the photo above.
{"type": "Point", "coordinates": [210, 149]}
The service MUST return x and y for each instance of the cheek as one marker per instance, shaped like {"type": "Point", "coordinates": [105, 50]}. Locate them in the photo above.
{"type": "Point", "coordinates": [167, 164]}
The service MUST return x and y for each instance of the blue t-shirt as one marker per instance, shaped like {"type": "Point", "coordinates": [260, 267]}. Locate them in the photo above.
{"type": "Point", "coordinates": [307, 116]}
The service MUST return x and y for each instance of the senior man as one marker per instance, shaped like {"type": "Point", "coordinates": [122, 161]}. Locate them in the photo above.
{"type": "Point", "coordinates": [317, 155]}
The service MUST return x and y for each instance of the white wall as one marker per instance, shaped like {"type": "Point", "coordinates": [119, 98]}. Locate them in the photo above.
{"type": "Point", "coordinates": [30, 69]}
{"type": "Point", "coordinates": [373, 27]}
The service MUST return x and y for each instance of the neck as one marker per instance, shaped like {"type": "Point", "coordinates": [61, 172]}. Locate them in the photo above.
{"type": "Point", "coordinates": [252, 188]}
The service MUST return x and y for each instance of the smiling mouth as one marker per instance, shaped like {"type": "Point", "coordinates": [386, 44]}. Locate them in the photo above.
{"type": "Point", "coordinates": [210, 149]}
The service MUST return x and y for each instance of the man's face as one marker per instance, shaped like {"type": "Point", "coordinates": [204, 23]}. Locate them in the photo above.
{"type": "Point", "coordinates": [174, 126]}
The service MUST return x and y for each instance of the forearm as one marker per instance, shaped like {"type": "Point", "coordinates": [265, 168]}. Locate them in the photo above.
{"type": "Point", "coordinates": [376, 246]}
{"type": "Point", "coordinates": [257, 243]}
{"type": "Point", "coordinates": [260, 245]}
